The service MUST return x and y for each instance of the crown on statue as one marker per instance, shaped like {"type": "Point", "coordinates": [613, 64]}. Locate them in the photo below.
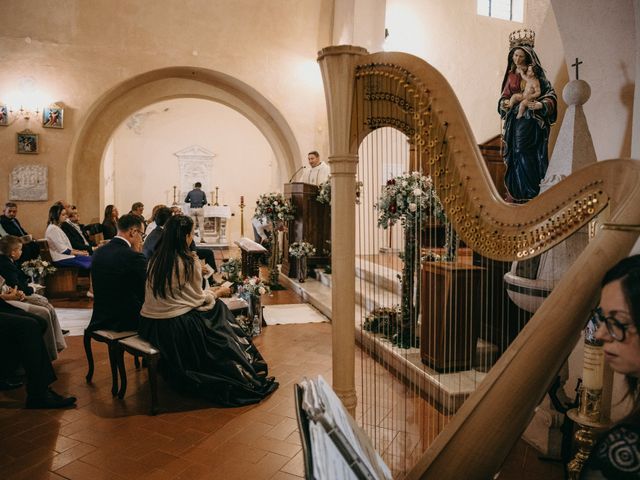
{"type": "Point", "coordinates": [522, 38]}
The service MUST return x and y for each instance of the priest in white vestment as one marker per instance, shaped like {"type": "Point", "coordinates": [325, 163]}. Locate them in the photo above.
{"type": "Point", "coordinates": [319, 171]}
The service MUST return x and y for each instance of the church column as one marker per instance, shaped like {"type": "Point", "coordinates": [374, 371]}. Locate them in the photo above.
{"type": "Point", "coordinates": [337, 65]}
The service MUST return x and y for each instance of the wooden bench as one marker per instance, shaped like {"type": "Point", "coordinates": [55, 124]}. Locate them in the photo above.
{"type": "Point", "coordinates": [61, 283]}
{"type": "Point", "coordinates": [139, 347]}
{"type": "Point", "coordinates": [111, 338]}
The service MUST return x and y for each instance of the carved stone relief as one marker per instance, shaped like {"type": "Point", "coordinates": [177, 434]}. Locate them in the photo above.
{"type": "Point", "coordinates": [29, 183]}
{"type": "Point", "coordinates": [196, 165]}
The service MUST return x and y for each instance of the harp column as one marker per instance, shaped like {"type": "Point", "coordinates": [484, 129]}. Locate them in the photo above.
{"type": "Point", "coordinates": [337, 64]}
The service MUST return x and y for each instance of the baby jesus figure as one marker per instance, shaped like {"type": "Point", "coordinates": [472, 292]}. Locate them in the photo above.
{"type": "Point", "coordinates": [531, 91]}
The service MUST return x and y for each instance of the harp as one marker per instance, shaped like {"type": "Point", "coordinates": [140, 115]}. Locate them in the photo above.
{"type": "Point", "coordinates": [368, 92]}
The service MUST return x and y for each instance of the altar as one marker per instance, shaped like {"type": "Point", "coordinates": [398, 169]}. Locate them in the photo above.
{"type": "Point", "coordinates": [215, 225]}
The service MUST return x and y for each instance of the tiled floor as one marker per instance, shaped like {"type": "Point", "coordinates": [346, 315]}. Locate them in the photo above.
{"type": "Point", "coordinates": [115, 439]}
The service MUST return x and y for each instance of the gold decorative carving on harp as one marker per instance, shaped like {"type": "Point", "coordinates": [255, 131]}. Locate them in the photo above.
{"type": "Point", "coordinates": [366, 92]}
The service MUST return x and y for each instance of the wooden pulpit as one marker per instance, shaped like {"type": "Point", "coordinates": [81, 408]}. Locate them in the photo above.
{"type": "Point", "coordinates": [450, 304]}
{"type": "Point", "coordinates": [311, 223]}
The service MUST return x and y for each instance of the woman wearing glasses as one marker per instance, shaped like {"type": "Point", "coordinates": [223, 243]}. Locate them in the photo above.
{"type": "Point", "coordinates": [617, 453]}
{"type": "Point", "coordinates": [204, 350]}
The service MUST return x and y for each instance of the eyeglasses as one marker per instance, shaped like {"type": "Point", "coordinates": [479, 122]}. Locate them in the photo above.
{"type": "Point", "coordinates": [135, 230]}
{"type": "Point", "coordinates": [615, 327]}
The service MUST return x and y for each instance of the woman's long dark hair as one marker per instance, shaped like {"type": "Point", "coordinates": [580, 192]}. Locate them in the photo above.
{"type": "Point", "coordinates": [627, 271]}
{"type": "Point", "coordinates": [54, 214]}
{"type": "Point", "coordinates": [172, 252]}
{"type": "Point", "coordinates": [108, 214]}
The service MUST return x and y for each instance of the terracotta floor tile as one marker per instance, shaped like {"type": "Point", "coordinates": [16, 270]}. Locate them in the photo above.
{"type": "Point", "coordinates": [271, 463]}
{"type": "Point", "coordinates": [196, 472]}
{"type": "Point", "coordinates": [79, 470]}
{"type": "Point", "coordinates": [283, 429]}
{"type": "Point", "coordinates": [285, 476]}
{"type": "Point", "coordinates": [295, 466]}
{"type": "Point", "coordinates": [71, 454]}
{"type": "Point", "coordinates": [280, 447]}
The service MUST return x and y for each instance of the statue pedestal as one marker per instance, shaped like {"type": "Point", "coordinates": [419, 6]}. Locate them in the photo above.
{"type": "Point", "coordinates": [450, 305]}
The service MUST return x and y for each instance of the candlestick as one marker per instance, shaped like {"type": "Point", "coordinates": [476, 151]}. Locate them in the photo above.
{"type": "Point", "coordinates": [242, 205]}
{"type": "Point", "coordinates": [174, 195]}
{"type": "Point", "coordinates": [217, 204]}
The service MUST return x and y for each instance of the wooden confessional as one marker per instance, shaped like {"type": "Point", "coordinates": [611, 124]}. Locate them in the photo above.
{"type": "Point", "coordinates": [369, 92]}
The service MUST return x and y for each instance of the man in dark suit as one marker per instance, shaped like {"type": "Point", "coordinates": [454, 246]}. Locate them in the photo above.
{"type": "Point", "coordinates": [11, 226]}
{"type": "Point", "coordinates": [21, 343]}
{"type": "Point", "coordinates": [74, 232]}
{"type": "Point", "coordinates": [118, 272]}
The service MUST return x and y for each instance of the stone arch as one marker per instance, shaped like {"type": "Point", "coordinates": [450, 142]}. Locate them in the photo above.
{"type": "Point", "coordinates": [110, 110]}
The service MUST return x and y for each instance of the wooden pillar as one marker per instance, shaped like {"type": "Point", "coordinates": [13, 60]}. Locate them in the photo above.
{"type": "Point", "coordinates": [337, 65]}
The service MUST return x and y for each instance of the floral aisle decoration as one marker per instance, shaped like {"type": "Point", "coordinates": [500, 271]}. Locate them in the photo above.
{"type": "Point", "coordinates": [37, 269]}
{"type": "Point", "coordinates": [408, 199]}
{"type": "Point", "coordinates": [252, 289]}
{"type": "Point", "coordinates": [384, 320]}
{"type": "Point", "coordinates": [301, 250]}
{"type": "Point", "coordinates": [232, 270]}
{"type": "Point", "coordinates": [279, 211]}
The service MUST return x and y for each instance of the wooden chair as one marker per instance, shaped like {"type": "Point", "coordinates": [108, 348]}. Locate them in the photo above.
{"type": "Point", "coordinates": [64, 281]}
{"type": "Point", "coordinates": [111, 338]}
{"type": "Point", "coordinates": [140, 348]}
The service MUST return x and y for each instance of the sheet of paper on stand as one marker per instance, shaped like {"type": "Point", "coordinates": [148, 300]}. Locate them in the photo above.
{"type": "Point", "coordinates": [339, 448]}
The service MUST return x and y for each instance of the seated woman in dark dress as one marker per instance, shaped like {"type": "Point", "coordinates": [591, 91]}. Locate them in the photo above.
{"type": "Point", "coordinates": [110, 222]}
{"type": "Point", "coordinates": [617, 453]}
{"type": "Point", "coordinates": [204, 350]}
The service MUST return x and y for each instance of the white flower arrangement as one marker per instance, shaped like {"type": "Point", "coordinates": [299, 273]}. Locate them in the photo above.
{"type": "Point", "coordinates": [324, 192]}
{"type": "Point", "coordinates": [408, 198]}
{"type": "Point", "coordinates": [37, 268]}
{"type": "Point", "coordinates": [254, 286]}
{"type": "Point", "coordinates": [301, 249]}
{"type": "Point", "coordinates": [275, 207]}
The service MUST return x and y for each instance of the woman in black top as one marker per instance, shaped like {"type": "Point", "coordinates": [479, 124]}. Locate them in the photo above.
{"type": "Point", "coordinates": [617, 453]}
{"type": "Point", "coordinates": [110, 222]}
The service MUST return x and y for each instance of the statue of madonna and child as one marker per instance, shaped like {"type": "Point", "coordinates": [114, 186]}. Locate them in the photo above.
{"type": "Point", "coordinates": [528, 107]}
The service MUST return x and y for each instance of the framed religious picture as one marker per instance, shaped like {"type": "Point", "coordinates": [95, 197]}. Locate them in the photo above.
{"type": "Point", "coordinates": [4, 115]}
{"type": "Point", "coordinates": [27, 142]}
{"type": "Point", "coordinates": [52, 117]}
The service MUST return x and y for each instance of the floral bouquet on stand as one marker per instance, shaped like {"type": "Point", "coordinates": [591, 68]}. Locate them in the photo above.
{"type": "Point", "coordinates": [324, 192]}
{"type": "Point", "coordinates": [232, 270]}
{"type": "Point", "coordinates": [37, 269]}
{"type": "Point", "coordinates": [251, 289]}
{"type": "Point", "coordinates": [301, 250]}
{"type": "Point", "coordinates": [410, 200]}
{"type": "Point", "coordinates": [279, 211]}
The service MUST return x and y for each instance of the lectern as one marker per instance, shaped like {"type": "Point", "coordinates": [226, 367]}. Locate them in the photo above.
{"type": "Point", "coordinates": [311, 223]}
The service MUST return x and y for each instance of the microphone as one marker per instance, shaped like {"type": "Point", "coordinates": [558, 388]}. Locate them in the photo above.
{"type": "Point", "coordinates": [296, 173]}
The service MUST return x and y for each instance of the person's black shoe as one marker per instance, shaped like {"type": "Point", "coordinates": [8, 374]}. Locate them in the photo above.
{"type": "Point", "coordinates": [64, 332]}
{"type": "Point", "coordinates": [49, 399]}
{"type": "Point", "coordinates": [8, 384]}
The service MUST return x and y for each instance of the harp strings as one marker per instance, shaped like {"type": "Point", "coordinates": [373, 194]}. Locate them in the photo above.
{"type": "Point", "coordinates": [461, 312]}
